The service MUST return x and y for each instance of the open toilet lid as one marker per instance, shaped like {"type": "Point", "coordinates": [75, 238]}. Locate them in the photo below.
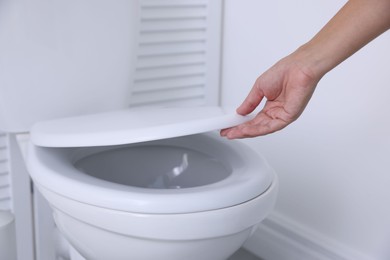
{"type": "Point", "coordinates": [132, 125]}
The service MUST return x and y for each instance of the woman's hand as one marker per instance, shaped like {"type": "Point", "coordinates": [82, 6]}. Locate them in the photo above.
{"type": "Point", "coordinates": [288, 87]}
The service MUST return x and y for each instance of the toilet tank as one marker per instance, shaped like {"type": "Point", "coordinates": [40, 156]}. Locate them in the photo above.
{"type": "Point", "coordinates": [64, 58]}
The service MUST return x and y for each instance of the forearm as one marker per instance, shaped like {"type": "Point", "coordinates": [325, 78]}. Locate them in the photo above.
{"type": "Point", "coordinates": [289, 84]}
{"type": "Point", "coordinates": [355, 25]}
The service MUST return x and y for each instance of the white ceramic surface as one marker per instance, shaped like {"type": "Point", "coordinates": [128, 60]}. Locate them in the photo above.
{"type": "Point", "coordinates": [124, 184]}
{"type": "Point", "coordinates": [104, 216]}
{"type": "Point", "coordinates": [100, 234]}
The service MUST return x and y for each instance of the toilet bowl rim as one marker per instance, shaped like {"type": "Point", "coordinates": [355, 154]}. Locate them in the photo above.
{"type": "Point", "coordinates": [120, 197]}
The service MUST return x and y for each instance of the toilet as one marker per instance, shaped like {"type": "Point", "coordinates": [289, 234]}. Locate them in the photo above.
{"type": "Point", "coordinates": [141, 193]}
{"type": "Point", "coordinates": [124, 183]}
{"type": "Point", "coordinates": [153, 191]}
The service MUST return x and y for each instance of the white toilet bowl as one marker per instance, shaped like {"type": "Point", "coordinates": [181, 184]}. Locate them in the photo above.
{"type": "Point", "coordinates": [118, 202]}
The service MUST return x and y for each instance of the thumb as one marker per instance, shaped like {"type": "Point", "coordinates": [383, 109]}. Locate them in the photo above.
{"type": "Point", "coordinates": [250, 103]}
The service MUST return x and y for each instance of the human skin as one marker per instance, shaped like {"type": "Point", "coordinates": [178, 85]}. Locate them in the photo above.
{"type": "Point", "coordinates": [289, 84]}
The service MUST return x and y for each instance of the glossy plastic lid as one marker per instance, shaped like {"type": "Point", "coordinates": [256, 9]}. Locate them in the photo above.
{"type": "Point", "coordinates": [132, 126]}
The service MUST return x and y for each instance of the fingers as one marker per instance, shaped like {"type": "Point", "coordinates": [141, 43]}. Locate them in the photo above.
{"type": "Point", "coordinates": [253, 99]}
{"type": "Point", "coordinates": [262, 124]}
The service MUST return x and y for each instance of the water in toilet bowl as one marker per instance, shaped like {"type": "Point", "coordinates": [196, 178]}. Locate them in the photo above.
{"type": "Point", "coordinates": [164, 181]}
{"type": "Point", "coordinates": [155, 166]}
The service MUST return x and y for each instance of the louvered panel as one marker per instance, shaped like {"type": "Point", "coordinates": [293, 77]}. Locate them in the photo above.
{"type": "Point", "coordinates": [173, 12]}
{"type": "Point", "coordinates": [3, 155]}
{"type": "Point", "coordinates": [153, 85]}
{"type": "Point", "coordinates": [172, 102]}
{"type": "Point", "coordinates": [4, 180]}
{"type": "Point", "coordinates": [3, 171]}
{"type": "Point", "coordinates": [3, 166]}
{"type": "Point", "coordinates": [3, 140]}
{"type": "Point", "coordinates": [173, 60]}
{"type": "Point", "coordinates": [174, 16]}
{"type": "Point", "coordinates": [168, 72]}
{"type": "Point", "coordinates": [171, 50]}
{"type": "Point", "coordinates": [172, 25]}
{"type": "Point", "coordinates": [173, 37]}
{"type": "Point", "coordinates": [173, 56]}
{"type": "Point", "coordinates": [168, 95]}
{"type": "Point", "coordinates": [5, 189]}
{"type": "Point", "coordinates": [170, 3]}
{"type": "Point", "coordinates": [5, 204]}
{"type": "Point", "coordinates": [5, 197]}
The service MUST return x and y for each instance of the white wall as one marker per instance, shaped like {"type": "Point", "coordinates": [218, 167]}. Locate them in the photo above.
{"type": "Point", "coordinates": [333, 163]}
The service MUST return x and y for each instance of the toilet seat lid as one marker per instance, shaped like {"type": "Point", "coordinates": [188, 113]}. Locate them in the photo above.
{"type": "Point", "coordinates": [132, 126]}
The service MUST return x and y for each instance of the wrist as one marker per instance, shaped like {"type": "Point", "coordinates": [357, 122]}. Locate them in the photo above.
{"type": "Point", "coordinates": [313, 61]}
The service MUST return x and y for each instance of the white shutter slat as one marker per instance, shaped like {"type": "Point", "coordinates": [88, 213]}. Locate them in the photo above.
{"type": "Point", "coordinates": [175, 41]}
